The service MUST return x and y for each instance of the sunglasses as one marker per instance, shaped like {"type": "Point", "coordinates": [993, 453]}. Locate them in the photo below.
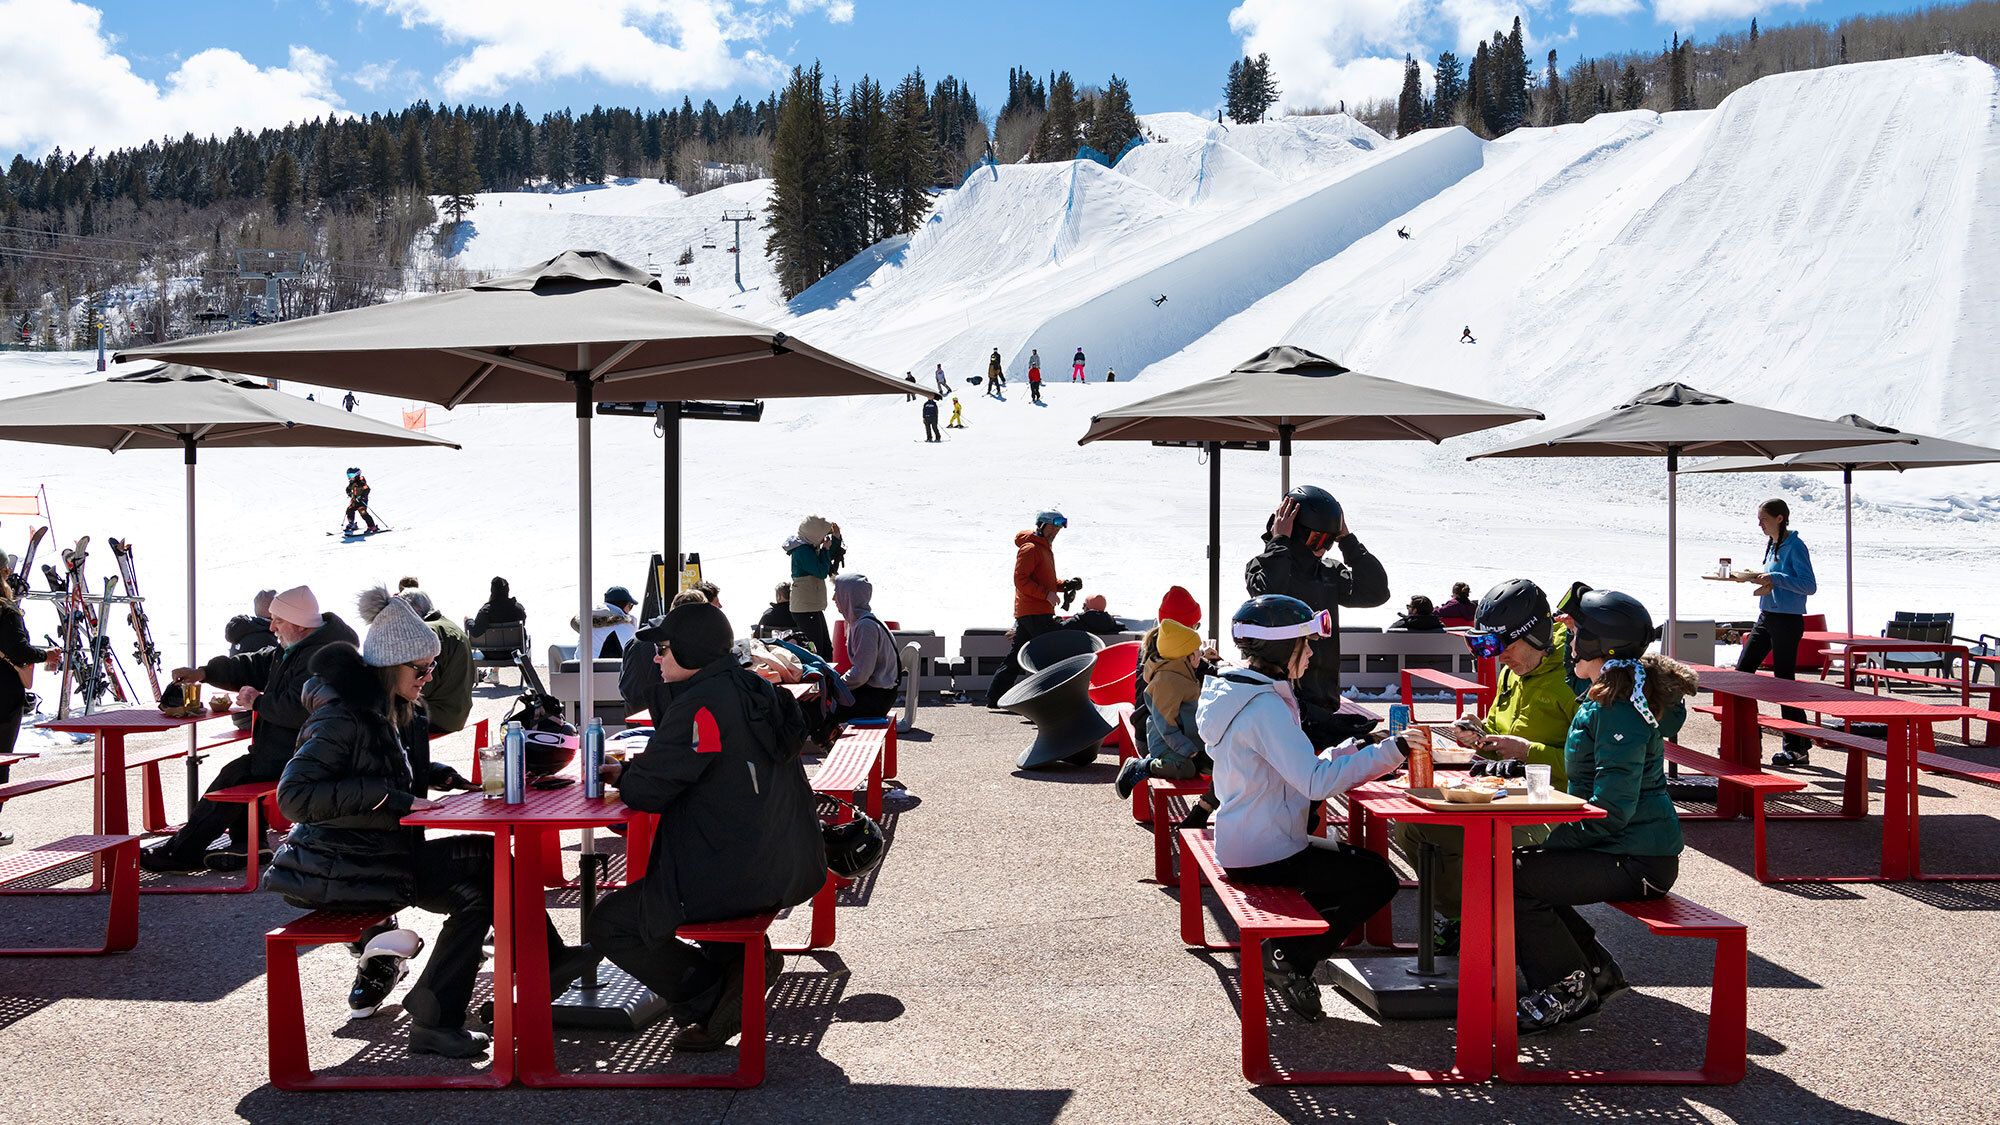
{"type": "Point", "coordinates": [423, 670]}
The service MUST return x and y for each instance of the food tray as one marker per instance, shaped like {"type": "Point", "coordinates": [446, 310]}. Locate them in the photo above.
{"type": "Point", "coordinates": [1512, 800]}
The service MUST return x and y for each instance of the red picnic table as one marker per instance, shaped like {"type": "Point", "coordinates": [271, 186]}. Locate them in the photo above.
{"type": "Point", "coordinates": [1486, 954]}
{"type": "Point", "coordinates": [1909, 726]}
{"type": "Point", "coordinates": [108, 729]}
{"type": "Point", "coordinates": [1856, 644]}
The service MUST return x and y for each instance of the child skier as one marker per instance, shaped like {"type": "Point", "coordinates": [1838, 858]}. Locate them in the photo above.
{"type": "Point", "coordinates": [956, 422]}
{"type": "Point", "coordinates": [1076, 368]}
{"type": "Point", "coordinates": [357, 502]}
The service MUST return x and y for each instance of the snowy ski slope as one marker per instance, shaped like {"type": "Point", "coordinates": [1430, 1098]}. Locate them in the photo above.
{"type": "Point", "coordinates": [1824, 242]}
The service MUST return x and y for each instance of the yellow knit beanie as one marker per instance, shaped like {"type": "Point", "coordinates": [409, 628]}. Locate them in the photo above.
{"type": "Point", "coordinates": [1176, 640]}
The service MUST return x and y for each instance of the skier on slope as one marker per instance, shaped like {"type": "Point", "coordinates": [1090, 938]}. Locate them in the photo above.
{"type": "Point", "coordinates": [1465, 337]}
{"type": "Point", "coordinates": [1035, 376]}
{"type": "Point", "coordinates": [930, 421]}
{"type": "Point", "coordinates": [349, 402]}
{"type": "Point", "coordinates": [996, 380]}
{"type": "Point", "coordinates": [957, 418]}
{"type": "Point", "coordinates": [1076, 368]}
{"type": "Point", "coordinates": [357, 501]}
{"type": "Point", "coordinates": [943, 387]}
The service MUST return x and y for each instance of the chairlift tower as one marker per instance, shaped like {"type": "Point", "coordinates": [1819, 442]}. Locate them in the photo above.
{"type": "Point", "coordinates": [270, 267]}
{"type": "Point", "coordinates": [738, 218]}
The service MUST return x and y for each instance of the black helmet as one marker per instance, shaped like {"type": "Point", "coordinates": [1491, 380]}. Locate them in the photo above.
{"type": "Point", "coordinates": [1268, 626]}
{"type": "Point", "coordinates": [1515, 610]}
{"type": "Point", "coordinates": [1609, 625]}
{"type": "Point", "coordinates": [855, 847]}
{"type": "Point", "coordinates": [1318, 510]}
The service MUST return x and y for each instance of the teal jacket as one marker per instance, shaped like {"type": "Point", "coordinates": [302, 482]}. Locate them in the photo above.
{"type": "Point", "coordinates": [1616, 762]}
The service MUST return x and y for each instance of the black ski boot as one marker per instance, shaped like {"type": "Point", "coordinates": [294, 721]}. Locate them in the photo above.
{"type": "Point", "coordinates": [1297, 989]}
{"type": "Point", "coordinates": [1568, 999]}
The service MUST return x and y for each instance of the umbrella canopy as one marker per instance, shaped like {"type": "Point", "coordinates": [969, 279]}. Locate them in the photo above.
{"type": "Point", "coordinates": [580, 320]}
{"type": "Point", "coordinates": [1292, 394]}
{"type": "Point", "coordinates": [1673, 419]}
{"type": "Point", "coordinates": [169, 406]}
{"type": "Point", "coordinates": [1921, 453]}
{"type": "Point", "coordinates": [581, 326]}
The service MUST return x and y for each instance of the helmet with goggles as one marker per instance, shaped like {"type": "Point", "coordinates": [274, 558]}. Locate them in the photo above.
{"type": "Point", "coordinates": [1268, 627]}
{"type": "Point", "coordinates": [1515, 610]}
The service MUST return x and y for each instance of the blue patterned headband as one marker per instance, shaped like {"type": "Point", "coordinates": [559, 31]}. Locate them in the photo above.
{"type": "Point", "coordinates": [1638, 688]}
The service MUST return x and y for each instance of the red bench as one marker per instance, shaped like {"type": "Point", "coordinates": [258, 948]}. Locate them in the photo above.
{"type": "Point", "coordinates": [855, 762]}
{"type": "Point", "coordinates": [888, 725]}
{"type": "Point", "coordinates": [1725, 1058]}
{"type": "Point", "coordinates": [155, 815]}
{"type": "Point", "coordinates": [1758, 785]}
{"type": "Point", "coordinates": [253, 796]}
{"type": "Point", "coordinates": [285, 1015]}
{"type": "Point", "coordinates": [1161, 791]}
{"type": "Point", "coordinates": [1857, 744]}
{"type": "Point", "coordinates": [118, 854]}
{"type": "Point", "coordinates": [1457, 686]}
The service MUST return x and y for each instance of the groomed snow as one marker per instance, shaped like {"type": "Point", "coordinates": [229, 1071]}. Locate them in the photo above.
{"type": "Point", "coordinates": [1823, 242]}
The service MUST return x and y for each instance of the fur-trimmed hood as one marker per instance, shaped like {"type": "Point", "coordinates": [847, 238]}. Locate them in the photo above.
{"type": "Point", "coordinates": [340, 675]}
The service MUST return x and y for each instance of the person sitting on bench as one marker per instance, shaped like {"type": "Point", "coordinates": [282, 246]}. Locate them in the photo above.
{"type": "Point", "coordinates": [739, 827]}
{"type": "Point", "coordinates": [1615, 758]}
{"type": "Point", "coordinates": [1172, 665]}
{"type": "Point", "coordinates": [872, 671]}
{"type": "Point", "coordinates": [282, 670]}
{"type": "Point", "coordinates": [1269, 780]}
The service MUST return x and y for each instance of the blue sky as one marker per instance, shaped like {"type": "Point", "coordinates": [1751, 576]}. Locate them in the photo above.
{"type": "Point", "coordinates": [117, 71]}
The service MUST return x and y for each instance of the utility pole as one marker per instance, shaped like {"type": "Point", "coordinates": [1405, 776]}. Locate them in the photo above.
{"type": "Point", "coordinates": [98, 310]}
{"type": "Point", "coordinates": [739, 218]}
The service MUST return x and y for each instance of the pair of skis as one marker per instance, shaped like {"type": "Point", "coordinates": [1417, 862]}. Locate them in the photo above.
{"type": "Point", "coordinates": [89, 664]}
{"type": "Point", "coordinates": [145, 652]}
{"type": "Point", "coordinates": [26, 559]}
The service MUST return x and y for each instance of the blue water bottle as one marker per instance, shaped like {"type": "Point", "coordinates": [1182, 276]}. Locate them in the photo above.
{"type": "Point", "coordinates": [593, 758]}
{"type": "Point", "coordinates": [1399, 717]}
{"type": "Point", "coordinates": [515, 765]}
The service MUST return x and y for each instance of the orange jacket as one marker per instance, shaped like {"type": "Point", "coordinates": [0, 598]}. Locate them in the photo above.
{"type": "Point", "coordinates": [1034, 575]}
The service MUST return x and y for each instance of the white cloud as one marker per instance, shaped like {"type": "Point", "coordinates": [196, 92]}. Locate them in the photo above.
{"type": "Point", "coordinates": [1684, 13]}
{"type": "Point", "coordinates": [666, 46]}
{"type": "Point", "coordinates": [66, 85]}
{"type": "Point", "coordinates": [1326, 51]}
{"type": "Point", "coordinates": [1604, 7]}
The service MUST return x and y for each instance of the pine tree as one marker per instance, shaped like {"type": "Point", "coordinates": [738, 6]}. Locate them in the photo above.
{"type": "Point", "coordinates": [1480, 90]}
{"type": "Point", "coordinates": [1555, 109]}
{"type": "Point", "coordinates": [413, 171]}
{"type": "Point", "coordinates": [1753, 31]}
{"type": "Point", "coordinates": [1233, 93]}
{"type": "Point", "coordinates": [1449, 90]}
{"type": "Point", "coordinates": [1058, 138]}
{"type": "Point", "coordinates": [1677, 76]}
{"type": "Point", "coordinates": [381, 164]}
{"type": "Point", "coordinates": [281, 184]}
{"type": "Point", "coordinates": [1115, 125]}
{"type": "Point", "coordinates": [1410, 104]}
{"type": "Point", "coordinates": [1263, 88]}
{"type": "Point", "coordinates": [801, 164]}
{"type": "Point", "coordinates": [1631, 89]}
{"type": "Point", "coordinates": [864, 150]}
{"type": "Point", "coordinates": [1511, 95]}
{"type": "Point", "coordinates": [911, 151]}
{"type": "Point", "coordinates": [458, 173]}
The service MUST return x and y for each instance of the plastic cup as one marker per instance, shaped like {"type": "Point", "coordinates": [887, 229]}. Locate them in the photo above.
{"type": "Point", "coordinates": [1540, 782]}
{"type": "Point", "coordinates": [493, 771]}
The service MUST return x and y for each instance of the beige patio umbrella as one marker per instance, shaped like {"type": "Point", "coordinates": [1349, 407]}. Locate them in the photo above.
{"type": "Point", "coordinates": [576, 328]}
{"type": "Point", "coordinates": [1921, 453]}
{"type": "Point", "coordinates": [1672, 420]}
{"type": "Point", "coordinates": [170, 406]}
{"type": "Point", "coordinates": [1292, 394]}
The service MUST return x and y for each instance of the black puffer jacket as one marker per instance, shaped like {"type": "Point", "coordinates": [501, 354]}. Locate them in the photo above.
{"type": "Point", "coordinates": [346, 791]}
{"type": "Point", "coordinates": [739, 831]}
{"type": "Point", "coordinates": [15, 649]}
{"type": "Point", "coordinates": [1287, 566]}
{"type": "Point", "coordinates": [281, 674]}
{"type": "Point", "coordinates": [248, 633]}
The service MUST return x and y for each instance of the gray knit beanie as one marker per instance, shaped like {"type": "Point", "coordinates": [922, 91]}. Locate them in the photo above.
{"type": "Point", "coordinates": [396, 635]}
{"type": "Point", "coordinates": [261, 604]}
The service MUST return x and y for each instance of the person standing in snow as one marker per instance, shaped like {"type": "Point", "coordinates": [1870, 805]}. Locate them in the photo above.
{"type": "Point", "coordinates": [911, 379]}
{"type": "Point", "coordinates": [957, 415]}
{"type": "Point", "coordinates": [930, 421]}
{"type": "Point", "coordinates": [1111, 375]}
{"type": "Point", "coordinates": [1035, 377]}
{"type": "Point", "coordinates": [943, 387]}
{"type": "Point", "coordinates": [349, 402]}
{"type": "Point", "coordinates": [357, 499]}
{"type": "Point", "coordinates": [996, 379]}
{"type": "Point", "coordinates": [1076, 368]}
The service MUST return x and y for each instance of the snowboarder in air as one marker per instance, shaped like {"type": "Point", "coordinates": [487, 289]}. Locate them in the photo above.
{"type": "Point", "coordinates": [943, 387]}
{"type": "Point", "coordinates": [957, 415]}
{"type": "Point", "coordinates": [357, 499]}
{"type": "Point", "coordinates": [1465, 337]}
{"type": "Point", "coordinates": [1076, 368]}
{"type": "Point", "coordinates": [930, 421]}
{"type": "Point", "coordinates": [1159, 300]}
{"type": "Point", "coordinates": [1402, 232]}
{"type": "Point", "coordinates": [349, 402]}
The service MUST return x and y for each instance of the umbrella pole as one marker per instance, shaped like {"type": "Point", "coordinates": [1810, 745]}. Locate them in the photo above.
{"type": "Point", "coordinates": [1847, 514]}
{"type": "Point", "coordinates": [1214, 537]}
{"type": "Point", "coordinates": [1673, 550]}
{"type": "Point", "coordinates": [193, 758]}
{"type": "Point", "coordinates": [586, 648]}
{"type": "Point", "coordinates": [1285, 459]}
{"type": "Point", "coordinates": [670, 429]}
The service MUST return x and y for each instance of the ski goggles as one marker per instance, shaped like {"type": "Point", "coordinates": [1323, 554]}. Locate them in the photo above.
{"type": "Point", "coordinates": [1488, 644]}
{"type": "Point", "coordinates": [1318, 625]}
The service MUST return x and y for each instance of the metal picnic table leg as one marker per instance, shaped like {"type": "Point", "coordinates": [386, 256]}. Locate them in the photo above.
{"type": "Point", "coordinates": [506, 1016]}
{"type": "Point", "coordinates": [1898, 813]}
{"type": "Point", "coordinates": [1488, 867]}
{"type": "Point", "coordinates": [534, 1014]}
{"type": "Point", "coordinates": [111, 818]}
{"type": "Point", "coordinates": [1742, 745]}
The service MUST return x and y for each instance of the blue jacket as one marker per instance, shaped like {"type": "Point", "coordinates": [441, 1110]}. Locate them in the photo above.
{"type": "Point", "coordinates": [1789, 566]}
